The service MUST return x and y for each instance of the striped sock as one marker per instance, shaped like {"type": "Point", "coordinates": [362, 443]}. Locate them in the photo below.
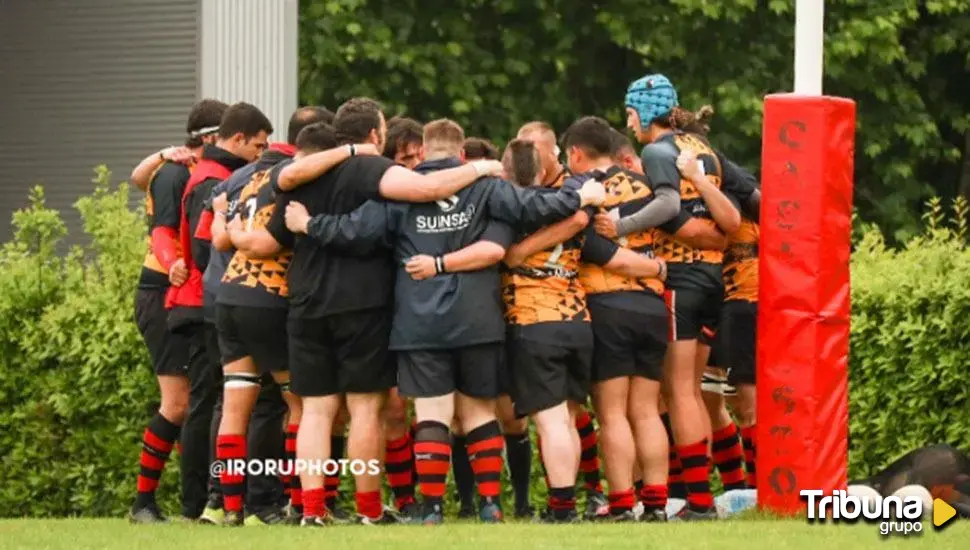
{"type": "Point", "coordinates": [749, 442]}
{"type": "Point", "coordinates": [697, 469]}
{"type": "Point", "coordinates": [675, 475]}
{"type": "Point", "coordinates": [653, 497]}
{"type": "Point", "coordinates": [589, 460]}
{"type": "Point", "coordinates": [485, 444]}
{"type": "Point", "coordinates": [292, 482]}
{"type": "Point", "coordinates": [621, 501]}
{"type": "Point", "coordinates": [728, 454]}
{"type": "Point", "coordinates": [231, 447]}
{"type": "Point", "coordinates": [561, 501]}
{"type": "Point", "coordinates": [399, 466]}
{"type": "Point", "coordinates": [157, 442]}
{"type": "Point", "coordinates": [432, 458]}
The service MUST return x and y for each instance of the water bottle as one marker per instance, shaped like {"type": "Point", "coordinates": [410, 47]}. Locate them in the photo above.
{"type": "Point", "coordinates": [734, 502]}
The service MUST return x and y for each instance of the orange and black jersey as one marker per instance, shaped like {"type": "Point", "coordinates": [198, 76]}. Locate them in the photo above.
{"type": "Point", "coordinates": [257, 282]}
{"type": "Point", "coordinates": [544, 299]}
{"type": "Point", "coordinates": [626, 192]}
{"type": "Point", "coordinates": [688, 266]}
{"type": "Point", "coordinates": [163, 206]}
{"type": "Point", "coordinates": [741, 263]}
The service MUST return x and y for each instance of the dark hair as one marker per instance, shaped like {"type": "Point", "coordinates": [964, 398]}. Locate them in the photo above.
{"type": "Point", "coordinates": [621, 143]}
{"type": "Point", "coordinates": [592, 135]}
{"type": "Point", "coordinates": [479, 148]}
{"type": "Point", "coordinates": [401, 132]}
{"type": "Point", "coordinates": [303, 117]}
{"type": "Point", "coordinates": [205, 114]}
{"type": "Point", "coordinates": [356, 118]}
{"type": "Point", "coordinates": [687, 121]}
{"type": "Point", "coordinates": [243, 118]}
{"type": "Point", "coordinates": [318, 136]}
{"type": "Point", "coordinates": [521, 161]}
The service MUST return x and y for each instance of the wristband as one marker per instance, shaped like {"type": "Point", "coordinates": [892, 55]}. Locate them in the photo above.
{"type": "Point", "coordinates": [662, 272]}
{"type": "Point", "coordinates": [439, 265]}
{"type": "Point", "coordinates": [353, 149]}
{"type": "Point", "coordinates": [161, 156]}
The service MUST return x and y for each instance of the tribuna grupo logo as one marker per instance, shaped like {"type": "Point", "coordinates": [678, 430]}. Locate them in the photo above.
{"type": "Point", "coordinates": [902, 513]}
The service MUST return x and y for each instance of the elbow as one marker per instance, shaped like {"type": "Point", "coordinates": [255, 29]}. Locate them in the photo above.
{"type": "Point", "coordinates": [733, 223]}
{"type": "Point", "coordinates": [222, 243]}
{"type": "Point", "coordinates": [494, 254]}
{"type": "Point", "coordinates": [286, 179]}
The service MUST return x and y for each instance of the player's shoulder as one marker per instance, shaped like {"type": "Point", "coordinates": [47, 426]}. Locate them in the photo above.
{"type": "Point", "coordinates": [660, 150]}
{"type": "Point", "coordinates": [172, 172]}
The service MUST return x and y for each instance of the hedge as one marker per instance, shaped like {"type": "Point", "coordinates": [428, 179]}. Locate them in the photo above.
{"type": "Point", "coordinates": [76, 386]}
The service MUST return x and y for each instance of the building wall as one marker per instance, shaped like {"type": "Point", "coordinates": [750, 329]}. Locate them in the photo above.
{"type": "Point", "coordinates": [87, 82]}
{"type": "Point", "coordinates": [249, 53]}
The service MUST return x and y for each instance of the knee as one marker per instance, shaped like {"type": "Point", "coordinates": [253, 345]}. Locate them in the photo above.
{"type": "Point", "coordinates": [395, 414]}
{"type": "Point", "coordinates": [515, 425]}
{"type": "Point", "coordinates": [175, 406]}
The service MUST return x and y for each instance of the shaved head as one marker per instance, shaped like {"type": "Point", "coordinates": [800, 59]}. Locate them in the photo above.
{"type": "Point", "coordinates": [544, 138]}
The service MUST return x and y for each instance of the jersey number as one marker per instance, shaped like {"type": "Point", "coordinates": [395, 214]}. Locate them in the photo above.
{"type": "Point", "coordinates": [250, 213]}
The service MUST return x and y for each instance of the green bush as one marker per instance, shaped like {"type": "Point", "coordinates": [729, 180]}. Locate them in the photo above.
{"type": "Point", "coordinates": [76, 386]}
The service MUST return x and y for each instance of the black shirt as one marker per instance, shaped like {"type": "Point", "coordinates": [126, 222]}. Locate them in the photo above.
{"type": "Point", "coordinates": [450, 310]}
{"type": "Point", "coordinates": [199, 200]}
{"type": "Point", "coordinates": [163, 205]}
{"type": "Point", "coordinates": [328, 282]}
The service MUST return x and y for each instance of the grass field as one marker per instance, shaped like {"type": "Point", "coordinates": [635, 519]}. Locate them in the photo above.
{"type": "Point", "coordinates": [747, 535]}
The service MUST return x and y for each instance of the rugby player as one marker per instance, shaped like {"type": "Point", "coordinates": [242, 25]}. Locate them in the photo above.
{"type": "Point", "coordinates": [404, 139]}
{"type": "Point", "coordinates": [477, 148]}
{"type": "Point", "coordinates": [552, 174]}
{"type": "Point", "coordinates": [550, 343]}
{"type": "Point", "coordinates": [448, 338]}
{"type": "Point", "coordinates": [168, 351]}
{"type": "Point", "coordinates": [339, 321]}
{"type": "Point", "coordinates": [249, 296]}
{"type": "Point", "coordinates": [694, 288]}
{"type": "Point", "coordinates": [242, 137]}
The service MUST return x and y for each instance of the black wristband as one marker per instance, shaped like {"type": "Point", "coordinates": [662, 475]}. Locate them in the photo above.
{"type": "Point", "coordinates": [439, 264]}
{"type": "Point", "coordinates": [353, 150]}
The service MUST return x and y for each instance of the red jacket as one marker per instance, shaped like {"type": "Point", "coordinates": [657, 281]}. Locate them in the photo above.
{"type": "Point", "coordinates": [190, 293]}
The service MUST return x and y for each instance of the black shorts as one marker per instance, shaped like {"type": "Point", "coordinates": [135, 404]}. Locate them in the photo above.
{"type": "Point", "coordinates": [471, 370]}
{"type": "Point", "coordinates": [169, 351]}
{"type": "Point", "coordinates": [257, 332]}
{"type": "Point", "coordinates": [343, 353]}
{"type": "Point", "coordinates": [737, 341]}
{"type": "Point", "coordinates": [691, 311]}
{"type": "Point", "coordinates": [628, 343]}
{"type": "Point", "coordinates": [543, 375]}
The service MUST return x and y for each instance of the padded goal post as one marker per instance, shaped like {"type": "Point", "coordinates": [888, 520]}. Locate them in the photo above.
{"type": "Point", "coordinates": [804, 301]}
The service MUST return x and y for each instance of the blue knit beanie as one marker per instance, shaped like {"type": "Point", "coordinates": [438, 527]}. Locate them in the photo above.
{"type": "Point", "coordinates": [651, 96]}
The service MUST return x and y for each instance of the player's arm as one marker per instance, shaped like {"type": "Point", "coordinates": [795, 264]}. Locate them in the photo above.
{"type": "Point", "coordinates": [141, 176]}
{"type": "Point", "coordinates": [220, 212]}
{"type": "Point", "coordinates": [546, 238]}
{"type": "Point", "coordinates": [312, 166]}
{"type": "Point", "coordinates": [517, 206]}
{"type": "Point", "coordinates": [400, 184]}
{"type": "Point", "coordinates": [743, 187]}
{"type": "Point", "coordinates": [723, 211]}
{"type": "Point", "coordinates": [266, 242]}
{"type": "Point", "coordinates": [361, 232]}
{"type": "Point", "coordinates": [166, 196]}
{"type": "Point", "coordinates": [695, 233]}
{"type": "Point", "coordinates": [660, 169]}
{"type": "Point", "coordinates": [486, 252]}
{"type": "Point", "coordinates": [203, 229]}
{"type": "Point", "coordinates": [606, 253]}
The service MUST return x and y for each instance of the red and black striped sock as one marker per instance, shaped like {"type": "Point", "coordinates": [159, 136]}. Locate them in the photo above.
{"type": "Point", "coordinates": [399, 465]}
{"type": "Point", "coordinates": [314, 503]}
{"type": "Point", "coordinates": [675, 476]}
{"type": "Point", "coordinates": [331, 484]}
{"type": "Point", "coordinates": [369, 504]}
{"type": "Point", "coordinates": [653, 497]}
{"type": "Point", "coordinates": [697, 470]}
{"type": "Point", "coordinates": [561, 501]}
{"type": "Point", "coordinates": [750, 446]}
{"type": "Point", "coordinates": [485, 445]}
{"type": "Point", "coordinates": [589, 459]}
{"type": "Point", "coordinates": [728, 455]}
{"type": "Point", "coordinates": [621, 501]}
{"type": "Point", "coordinates": [157, 442]}
{"type": "Point", "coordinates": [432, 458]}
{"type": "Point", "coordinates": [231, 447]}
{"type": "Point", "coordinates": [292, 482]}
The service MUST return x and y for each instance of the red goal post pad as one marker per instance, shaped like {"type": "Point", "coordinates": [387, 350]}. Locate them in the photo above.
{"type": "Point", "coordinates": [804, 300]}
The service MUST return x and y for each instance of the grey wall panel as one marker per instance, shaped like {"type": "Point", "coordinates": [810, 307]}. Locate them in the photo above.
{"type": "Point", "coordinates": [249, 53]}
{"type": "Point", "coordinates": [86, 82]}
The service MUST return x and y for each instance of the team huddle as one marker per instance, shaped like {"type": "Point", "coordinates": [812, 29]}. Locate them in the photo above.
{"type": "Point", "coordinates": [396, 292]}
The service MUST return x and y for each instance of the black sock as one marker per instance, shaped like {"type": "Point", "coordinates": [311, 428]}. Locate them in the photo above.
{"type": "Point", "coordinates": [518, 451]}
{"type": "Point", "coordinates": [638, 486]}
{"type": "Point", "coordinates": [562, 501]}
{"type": "Point", "coordinates": [462, 468]}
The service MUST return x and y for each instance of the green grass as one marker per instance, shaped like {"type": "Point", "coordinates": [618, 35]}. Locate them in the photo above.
{"type": "Point", "coordinates": [734, 535]}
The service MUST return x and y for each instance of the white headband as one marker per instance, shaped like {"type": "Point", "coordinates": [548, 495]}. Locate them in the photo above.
{"type": "Point", "coordinates": [204, 131]}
